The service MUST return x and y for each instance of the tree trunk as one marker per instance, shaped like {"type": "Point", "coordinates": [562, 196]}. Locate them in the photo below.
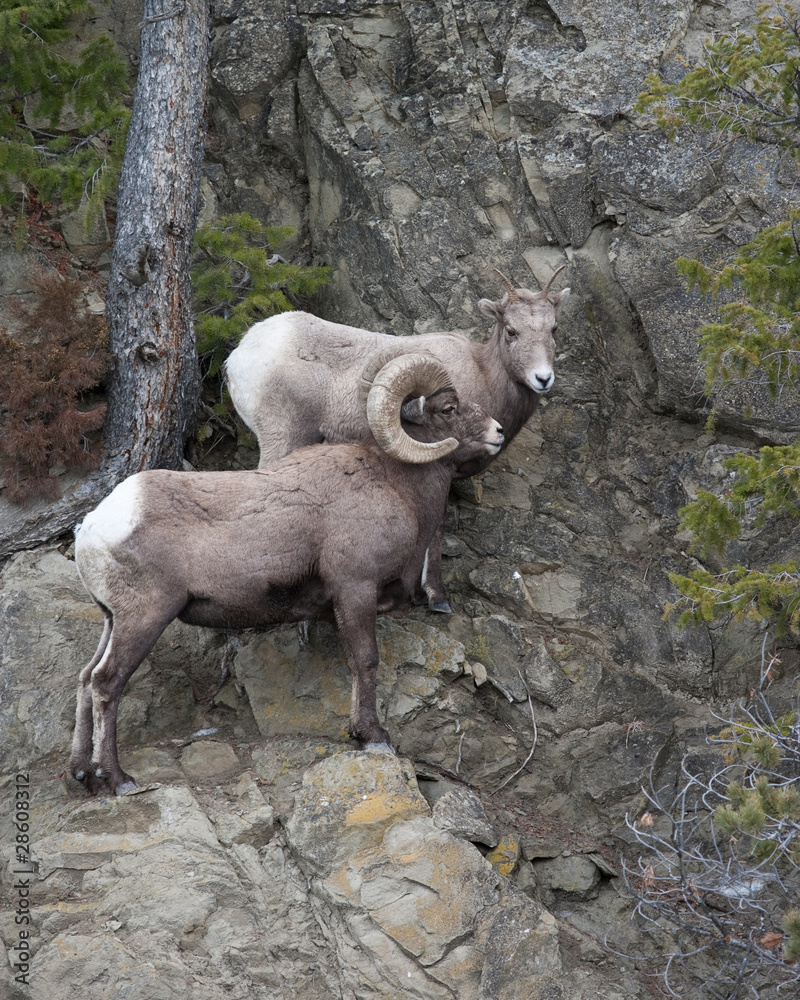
{"type": "Point", "coordinates": [155, 382]}
{"type": "Point", "coordinates": [155, 385]}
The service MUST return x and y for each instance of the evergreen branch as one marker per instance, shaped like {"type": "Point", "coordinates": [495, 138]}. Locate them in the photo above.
{"type": "Point", "coordinates": [740, 92]}
{"type": "Point", "coordinates": [41, 150]}
{"type": "Point", "coordinates": [238, 279]}
{"type": "Point", "coordinates": [26, 27]}
{"type": "Point", "coordinates": [65, 167]}
{"type": "Point", "coordinates": [15, 98]}
{"type": "Point", "coordinates": [770, 596]}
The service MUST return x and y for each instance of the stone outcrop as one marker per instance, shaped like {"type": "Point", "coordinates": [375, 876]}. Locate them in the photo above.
{"type": "Point", "coordinates": [419, 907]}
{"type": "Point", "coordinates": [263, 855]}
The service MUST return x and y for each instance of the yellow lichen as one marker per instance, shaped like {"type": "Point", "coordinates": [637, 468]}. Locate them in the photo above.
{"type": "Point", "coordinates": [505, 857]}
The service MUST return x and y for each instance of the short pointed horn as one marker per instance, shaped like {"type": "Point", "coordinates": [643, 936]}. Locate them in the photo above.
{"type": "Point", "coordinates": [546, 290]}
{"type": "Point", "coordinates": [409, 374]}
{"type": "Point", "coordinates": [512, 292]}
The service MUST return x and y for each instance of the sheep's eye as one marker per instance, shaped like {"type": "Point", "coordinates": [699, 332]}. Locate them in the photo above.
{"type": "Point", "coordinates": [450, 408]}
{"type": "Point", "coordinates": [555, 327]}
{"type": "Point", "coordinates": [510, 332]}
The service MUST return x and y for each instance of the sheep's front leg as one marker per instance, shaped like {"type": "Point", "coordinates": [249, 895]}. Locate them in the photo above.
{"type": "Point", "coordinates": [432, 582]}
{"type": "Point", "coordinates": [356, 617]}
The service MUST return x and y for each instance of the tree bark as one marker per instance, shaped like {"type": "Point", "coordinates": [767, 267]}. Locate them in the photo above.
{"type": "Point", "coordinates": [154, 388]}
{"type": "Point", "coordinates": [155, 384]}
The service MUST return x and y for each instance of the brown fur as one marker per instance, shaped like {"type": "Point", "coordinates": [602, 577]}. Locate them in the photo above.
{"type": "Point", "coordinates": [305, 390]}
{"type": "Point", "coordinates": [334, 532]}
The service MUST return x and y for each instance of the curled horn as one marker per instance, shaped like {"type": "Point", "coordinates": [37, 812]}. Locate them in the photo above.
{"type": "Point", "coordinates": [545, 291]}
{"type": "Point", "coordinates": [371, 368]}
{"type": "Point", "coordinates": [374, 364]}
{"type": "Point", "coordinates": [408, 374]}
{"type": "Point", "coordinates": [512, 292]}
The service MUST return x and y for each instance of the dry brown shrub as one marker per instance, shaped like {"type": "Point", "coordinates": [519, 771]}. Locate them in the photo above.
{"type": "Point", "coordinates": [46, 419]}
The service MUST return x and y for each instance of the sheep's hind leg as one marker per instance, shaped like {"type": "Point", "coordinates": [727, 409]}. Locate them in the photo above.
{"type": "Point", "coordinates": [81, 756]}
{"type": "Point", "coordinates": [130, 643]}
{"type": "Point", "coordinates": [355, 623]}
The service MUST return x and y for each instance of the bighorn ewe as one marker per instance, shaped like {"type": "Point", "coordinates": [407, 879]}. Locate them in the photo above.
{"type": "Point", "coordinates": [293, 380]}
{"type": "Point", "coordinates": [337, 532]}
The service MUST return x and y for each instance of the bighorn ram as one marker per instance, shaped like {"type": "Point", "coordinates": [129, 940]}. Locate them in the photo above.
{"type": "Point", "coordinates": [293, 380]}
{"type": "Point", "coordinates": [337, 532]}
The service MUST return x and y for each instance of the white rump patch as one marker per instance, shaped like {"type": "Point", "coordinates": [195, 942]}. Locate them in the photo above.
{"type": "Point", "coordinates": [103, 529]}
{"type": "Point", "coordinates": [115, 518]}
{"type": "Point", "coordinates": [264, 346]}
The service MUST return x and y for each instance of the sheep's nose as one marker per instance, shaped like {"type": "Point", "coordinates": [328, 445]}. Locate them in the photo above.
{"type": "Point", "coordinates": [543, 382]}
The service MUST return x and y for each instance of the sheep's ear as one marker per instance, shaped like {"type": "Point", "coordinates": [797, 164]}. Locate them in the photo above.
{"type": "Point", "coordinates": [413, 412]}
{"type": "Point", "coordinates": [490, 309]}
{"type": "Point", "coordinates": [560, 298]}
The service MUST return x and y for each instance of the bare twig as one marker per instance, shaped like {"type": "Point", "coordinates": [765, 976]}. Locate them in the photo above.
{"type": "Point", "coordinates": [463, 734]}
{"type": "Point", "coordinates": [214, 418]}
{"type": "Point", "coordinates": [535, 737]}
{"type": "Point", "coordinates": [715, 905]}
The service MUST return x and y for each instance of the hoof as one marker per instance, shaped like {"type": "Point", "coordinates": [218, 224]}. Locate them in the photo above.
{"type": "Point", "coordinates": [127, 788]}
{"type": "Point", "coordinates": [92, 780]}
{"type": "Point", "coordinates": [445, 607]}
{"type": "Point", "coordinates": [131, 788]}
{"type": "Point", "coordinates": [88, 779]}
{"type": "Point", "coordinates": [419, 599]}
{"type": "Point", "coordinates": [383, 747]}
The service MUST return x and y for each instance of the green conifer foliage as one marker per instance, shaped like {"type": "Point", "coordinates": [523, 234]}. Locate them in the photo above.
{"type": "Point", "coordinates": [747, 85]}
{"type": "Point", "coordinates": [239, 278]}
{"type": "Point", "coordinates": [758, 340]}
{"type": "Point", "coordinates": [765, 807]}
{"type": "Point", "coordinates": [38, 83]}
{"type": "Point", "coordinates": [765, 486]}
{"type": "Point", "coordinates": [791, 928]}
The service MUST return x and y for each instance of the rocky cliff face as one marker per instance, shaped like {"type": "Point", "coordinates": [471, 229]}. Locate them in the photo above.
{"type": "Point", "coordinates": [417, 144]}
